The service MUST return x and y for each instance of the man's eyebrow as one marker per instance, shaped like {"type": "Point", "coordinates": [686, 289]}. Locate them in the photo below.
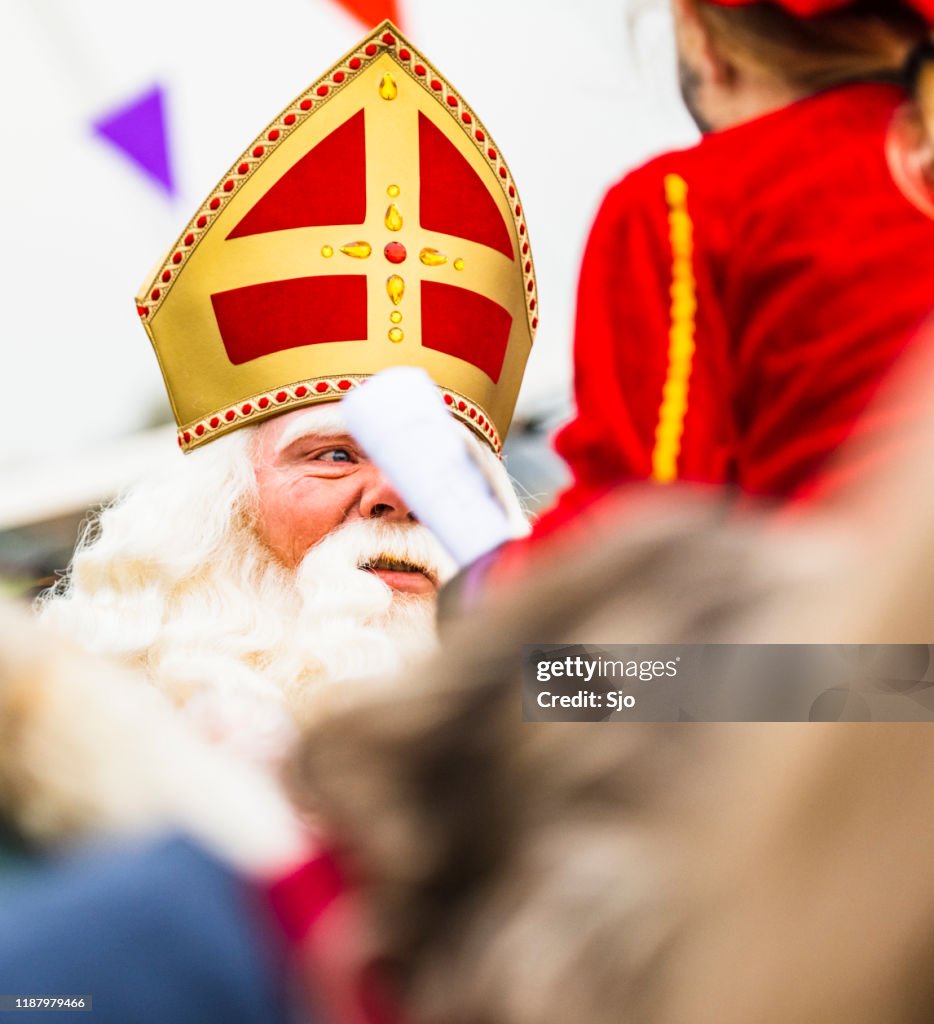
{"type": "Point", "coordinates": [320, 424]}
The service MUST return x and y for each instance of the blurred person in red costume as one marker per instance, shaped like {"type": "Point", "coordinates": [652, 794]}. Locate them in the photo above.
{"type": "Point", "coordinates": [740, 301]}
{"type": "Point", "coordinates": [372, 224]}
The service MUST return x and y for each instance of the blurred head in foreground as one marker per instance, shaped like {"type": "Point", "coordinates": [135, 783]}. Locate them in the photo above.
{"type": "Point", "coordinates": [89, 751]}
{"type": "Point", "coordinates": [738, 58]}
{"type": "Point", "coordinates": [527, 872]}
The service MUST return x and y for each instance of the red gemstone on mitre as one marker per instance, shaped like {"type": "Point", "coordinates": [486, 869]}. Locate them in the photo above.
{"type": "Point", "coordinates": [263, 402]}
{"type": "Point", "coordinates": [202, 221]}
{"type": "Point", "coordinates": [535, 323]}
{"type": "Point", "coordinates": [322, 90]}
{"type": "Point", "coordinates": [229, 415]}
{"type": "Point", "coordinates": [215, 202]}
{"type": "Point", "coordinates": [281, 396]}
{"type": "Point", "coordinates": [436, 85]}
{"type": "Point", "coordinates": [528, 266]}
{"type": "Point", "coordinates": [462, 406]}
{"type": "Point", "coordinates": [321, 386]}
{"type": "Point", "coordinates": [166, 276]}
{"type": "Point", "coordinates": [370, 50]}
{"type": "Point", "coordinates": [521, 229]}
{"type": "Point", "coordinates": [512, 191]}
{"type": "Point", "coordinates": [448, 400]}
{"type": "Point", "coordinates": [466, 118]}
{"type": "Point", "coordinates": [215, 422]}
{"type": "Point", "coordinates": [154, 294]}
{"type": "Point", "coordinates": [533, 304]}
{"type": "Point", "coordinates": [502, 172]}
{"type": "Point", "coordinates": [189, 238]}
{"type": "Point", "coordinates": [531, 286]}
{"type": "Point", "coordinates": [142, 310]}
{"type": "Point", "coordinates": [288, 119]}
{"type": "Point", "coordinates": [389, 38]}
{"type": "Point", "coordinates": [301, 391]}
{"type": "Point", "coordinates": [525, 248]}
{"type": "Point", "coordinates": [491, 153]}
{"type": "Point", "coordinates": [452, 101]}
{"type": "Point", "coordinates": [478, 135]}
{"type": "Point", "coordinates": [228, 185]}
{"type": "Point", "coordinates": [243, 168]}
{"type": "Point", "coordinates": [199, 429]}
{"type": "Point", "coordinates": [339, 77]}
{"type": "Point", "coordinates": [420, 70]}
{"type": "Point", "coordinates": [404, 54]}
{"type": "Point", "coordinates": [344, 385]}
{"type": "Point", "coordinates": [186, 437]}
{"type": "Point", "coordinates": [258, 151]}
{"type": "Point", "coordinates": [395, 252]}
{"type": "Point", "coordinates": [246, 409]}
{"type": "Point", "coordinates": [473, 413]}
{"type": "Point", "coordinates": [179, 442]}
{"type": "Point", "coordinates": [481, 421]}
{"type": "Point", "coordinates": [355, 63]}
{"type": "Point", "coordinates": [305, 104]}
{"type": "Point", "coordinates": [273, 135]}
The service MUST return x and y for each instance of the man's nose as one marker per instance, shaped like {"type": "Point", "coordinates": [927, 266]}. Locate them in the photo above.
{"type": "Point", "coordinates": [380, 500]}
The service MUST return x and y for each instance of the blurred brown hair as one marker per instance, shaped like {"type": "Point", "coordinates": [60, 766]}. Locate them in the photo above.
{"type": "Point", "coordinates": [866, 41]}
{"type": "Point", "coordinates": [873, 40]}
{"type": "Point", "coordinates": [531, 873]}
{"type": "Point", "coordinates": [516, 871]}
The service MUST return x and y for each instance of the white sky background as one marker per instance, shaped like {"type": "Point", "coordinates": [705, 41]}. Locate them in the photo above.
{"type": "Point", "coordinates": [570, 94]}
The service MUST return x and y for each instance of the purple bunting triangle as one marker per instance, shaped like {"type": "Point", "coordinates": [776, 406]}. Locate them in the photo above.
{"type": "Point", "coordinates": [138, 129]}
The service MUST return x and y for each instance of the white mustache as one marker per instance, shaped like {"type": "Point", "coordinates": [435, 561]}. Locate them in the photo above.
{"type": "Point", "coordinates": [367, 542]}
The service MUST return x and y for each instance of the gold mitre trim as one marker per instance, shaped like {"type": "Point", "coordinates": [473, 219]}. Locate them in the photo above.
{"type": "Point", "coordinates": [210, 394]}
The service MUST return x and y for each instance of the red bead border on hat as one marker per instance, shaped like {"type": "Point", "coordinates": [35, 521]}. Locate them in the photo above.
{"type": "Point", "coordinates": [310, 392]}
{"type": "Point", "coordinates": [384, 39]}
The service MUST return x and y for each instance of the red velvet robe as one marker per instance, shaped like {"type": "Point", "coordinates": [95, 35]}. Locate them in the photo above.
{"type": "Point", "coordinates": [741, 301]}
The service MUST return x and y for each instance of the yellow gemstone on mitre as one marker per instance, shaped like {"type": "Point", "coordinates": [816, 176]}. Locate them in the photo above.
{"type": "Point", "coordinates": [358, 250]}
{"type": "Point", "coordinates": [388, 88]}
{"type": "Point", "coordinates": [395, 288]}
{"type": "Point", "coordinates": [396, 335]}
{"type": "Point", "coordinates": [395, 316]}
{"type": "Point", "coordinates": [432, 258]}
{"type": "Point", "coordinates": [393, 218]}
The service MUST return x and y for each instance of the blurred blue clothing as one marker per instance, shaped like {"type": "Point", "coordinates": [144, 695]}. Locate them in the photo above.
{"type": "Point", "coordinates": [159, 934]}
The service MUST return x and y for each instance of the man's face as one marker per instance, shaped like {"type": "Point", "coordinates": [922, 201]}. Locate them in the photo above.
{"type": "Point", "coordinates": [312, 478]}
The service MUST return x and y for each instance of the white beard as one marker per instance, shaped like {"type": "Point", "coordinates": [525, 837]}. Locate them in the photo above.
{"type": "Point", "coordinates": [340, 630]}
{"type": "Point", "coordinates": [173, 581]}
{"type": "Point", "coordinates": [351, 625]}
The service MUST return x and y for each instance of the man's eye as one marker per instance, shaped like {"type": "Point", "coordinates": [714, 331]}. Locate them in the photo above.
{"type": "Point", "coordinates": [335, 455]}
